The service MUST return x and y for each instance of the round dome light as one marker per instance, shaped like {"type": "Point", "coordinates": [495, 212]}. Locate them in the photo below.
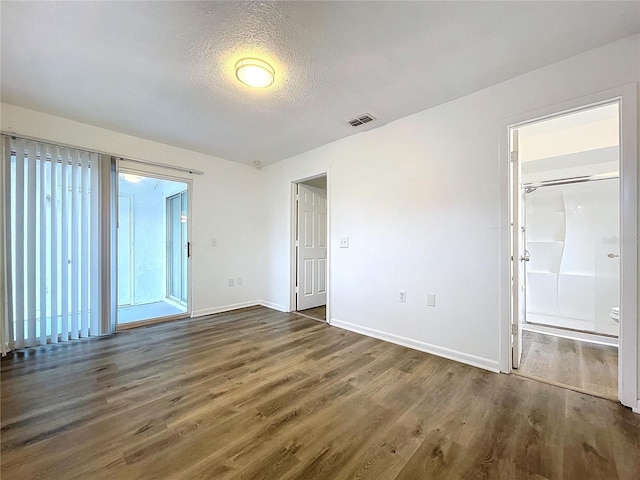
{"type": "Point", "coordinates": [254, 72]}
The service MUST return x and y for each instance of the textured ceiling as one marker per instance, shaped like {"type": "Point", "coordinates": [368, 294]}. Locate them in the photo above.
{"type": "Point", "coordinates": [164, 70]}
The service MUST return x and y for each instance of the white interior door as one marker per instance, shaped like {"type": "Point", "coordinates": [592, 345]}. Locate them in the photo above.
{"type": "Point", "coordinates": [519, 255]}
{"type": "Point", "coordinates": [312, 247]}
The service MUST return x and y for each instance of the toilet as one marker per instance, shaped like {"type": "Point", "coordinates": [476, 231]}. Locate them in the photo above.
{"type": "Point", "coordinates": [615, 314]}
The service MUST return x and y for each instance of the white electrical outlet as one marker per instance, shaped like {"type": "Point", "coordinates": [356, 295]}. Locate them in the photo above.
{"type": "Point", "coordinates": [344, 242]}
{"type": "Point", "coordinates": [232, 282]}
{"type": "Point", "coordinates": [403, 296]}
{"type": "Point", "coordinates": [214, 242]}
{"type": "Point", "coordinates": [431, 299]}
{"type": "Point", "coordinates": [239, 281]}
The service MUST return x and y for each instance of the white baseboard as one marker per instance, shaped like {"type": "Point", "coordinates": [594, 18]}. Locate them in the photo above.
{"type": "Point", "coordinates": [273, 306]}
{"type": "Point", "coordinates": [637, 409]}
{"type": "Point", "coordinates": [223, 308]}
{"type": "Point", "coordinates": [484, 363]}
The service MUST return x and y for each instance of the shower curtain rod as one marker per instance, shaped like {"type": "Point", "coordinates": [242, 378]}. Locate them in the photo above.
{"type": "Point", "coordinates": [567, 181]}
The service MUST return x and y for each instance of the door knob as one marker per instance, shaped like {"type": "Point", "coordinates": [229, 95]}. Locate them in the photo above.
{"type": "Point", "coordinates": [526, 257]}
{"type": "Point", "coordinates": [612, 255]}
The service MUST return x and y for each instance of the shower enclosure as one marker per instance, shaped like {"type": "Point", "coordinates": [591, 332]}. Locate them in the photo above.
{"type": "Point", "coordinates": [572, 236]}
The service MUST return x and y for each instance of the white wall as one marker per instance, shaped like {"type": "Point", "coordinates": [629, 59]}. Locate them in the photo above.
{"type": "Point", "coordinates": [226, 203]}
{"type": "Point", "coordinates": [420, 200]}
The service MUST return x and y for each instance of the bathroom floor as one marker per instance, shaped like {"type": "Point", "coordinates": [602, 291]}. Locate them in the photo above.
{"type": "Point", "coordinates": [583, 366]}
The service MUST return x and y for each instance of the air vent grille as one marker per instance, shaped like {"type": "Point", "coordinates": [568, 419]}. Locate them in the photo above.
{"type": "Point", "coordinates": [361, 120]}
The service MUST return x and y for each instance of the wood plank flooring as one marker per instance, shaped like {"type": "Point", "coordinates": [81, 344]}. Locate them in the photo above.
{"type": "Point", "coordinates": [318, 313]}
{"type": "Point", "coordinates": [581, 365]}
{"type": "Point", "coordinates": [258, 394]}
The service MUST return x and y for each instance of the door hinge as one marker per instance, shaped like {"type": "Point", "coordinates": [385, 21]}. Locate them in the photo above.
{"type": "Point", "coordinates": [514, 156]}
{"type": "Point", "coordinates": [296, 289]}
{"type": "Point", "coordinates": [514, 329]}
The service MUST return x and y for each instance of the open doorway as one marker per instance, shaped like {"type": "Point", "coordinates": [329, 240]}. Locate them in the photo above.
{"type": "Point", "coordinates": [310, 247]}
{"type": "Point", "coordinates": [566, 218]}
{"type": "Point", "coordinates": [153, 249]}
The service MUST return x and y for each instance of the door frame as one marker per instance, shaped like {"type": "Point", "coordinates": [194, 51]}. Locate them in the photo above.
{"type": "Point", "coordinates": [161, 176]}
{"type": "Point", "coordinates": [518, 274]}
{"type": "Point", "coordinates": [293, 256]}
{"type": "Point", "coordinates": [628, 339]}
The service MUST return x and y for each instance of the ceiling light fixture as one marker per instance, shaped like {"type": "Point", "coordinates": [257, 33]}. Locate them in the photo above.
{"type": "Point", "coordinates": [255, 72]}
{"type": "Point", "coordinates": [129, 177]}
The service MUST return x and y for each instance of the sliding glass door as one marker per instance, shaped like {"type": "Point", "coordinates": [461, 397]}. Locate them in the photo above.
{"type": "Point", "coordinates": [153, 248]}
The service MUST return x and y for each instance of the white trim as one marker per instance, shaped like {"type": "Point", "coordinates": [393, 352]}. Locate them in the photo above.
{"type": "Point", "coordinates": [628, 349]}
{"type": "Point", "coordinates": [461, 357]}
{"type": "Point", "coordinates": [628, 355]}
{"type": "Point", "coordinates": [222, 308]}
{"type": "Point", "coordinates": [636, 409]}
{"type": "Point", "coordinates": [292, 247]}
{"type": "Point", "coordinates": [273, 306]}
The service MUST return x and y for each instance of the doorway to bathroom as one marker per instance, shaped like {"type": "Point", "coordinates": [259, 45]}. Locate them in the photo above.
{"type": "Point", "coordinates": [566, 248]}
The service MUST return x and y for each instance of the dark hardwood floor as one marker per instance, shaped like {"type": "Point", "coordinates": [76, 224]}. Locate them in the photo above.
{"type": "Point", "coordinates": [258, 394]}
{"type": "Point", "coordinates": [580, 365]}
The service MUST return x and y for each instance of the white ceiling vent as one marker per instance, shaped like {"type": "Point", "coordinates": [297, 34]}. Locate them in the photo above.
{"type": "Point", "coordinates": [361, 120]}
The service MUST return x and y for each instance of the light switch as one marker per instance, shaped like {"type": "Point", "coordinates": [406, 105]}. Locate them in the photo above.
{"type": "Point", "coordinates": [431, 299]}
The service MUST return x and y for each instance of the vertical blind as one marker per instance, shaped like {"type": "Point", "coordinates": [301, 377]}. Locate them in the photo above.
{"type": "Point", "coordinates": [52, 201]}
